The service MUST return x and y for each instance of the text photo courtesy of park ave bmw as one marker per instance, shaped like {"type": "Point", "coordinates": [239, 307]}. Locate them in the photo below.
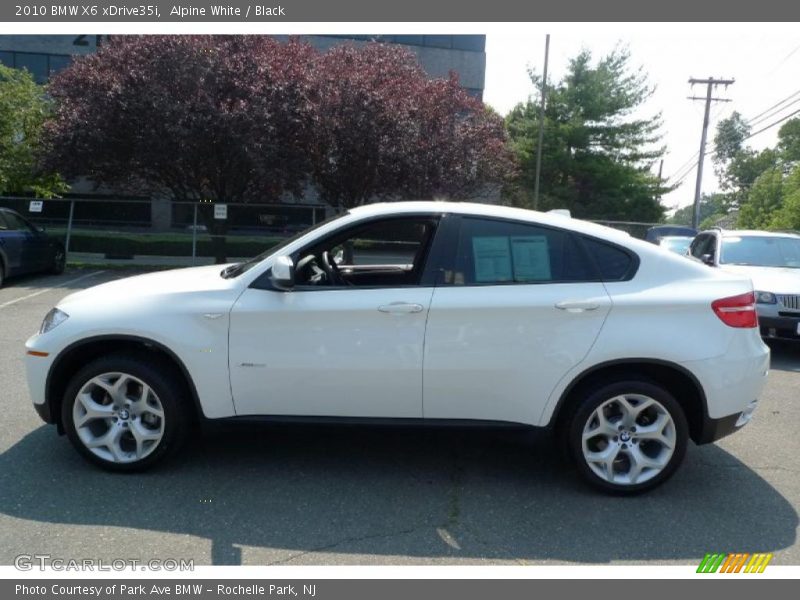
{"type": "Point", "coordinates": [340, 308]}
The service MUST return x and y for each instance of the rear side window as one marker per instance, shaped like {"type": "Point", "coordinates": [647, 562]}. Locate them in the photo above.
{"type": "Point", "coordinates": [3, 224]}
{"type": "Point", "coordinates": [499, 252]}
{"type": "Point", "coordinates": [613, 263]}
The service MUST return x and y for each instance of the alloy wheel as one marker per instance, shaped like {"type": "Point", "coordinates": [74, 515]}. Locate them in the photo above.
{"type": "Point", "coordinates": [118, 417]}
{"type": "Point", "coordinates": [629, 439]}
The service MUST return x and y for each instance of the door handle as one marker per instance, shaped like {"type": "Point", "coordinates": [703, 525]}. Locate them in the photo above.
{"type": "Point", "coordinates": [577, 306]}
{"type": "Point", "coordinates": [400, 307]}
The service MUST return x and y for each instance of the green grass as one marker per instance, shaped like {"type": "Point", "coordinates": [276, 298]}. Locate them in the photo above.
{"type": "Point", "coordinates": [161, 244]}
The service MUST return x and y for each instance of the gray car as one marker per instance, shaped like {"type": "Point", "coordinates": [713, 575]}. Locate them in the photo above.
{"type": "Point", "coordinates": [772, 261]}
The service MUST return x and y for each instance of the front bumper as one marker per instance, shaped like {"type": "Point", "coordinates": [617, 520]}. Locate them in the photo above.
{"type": "Point", "coordinates": [37, 369]}
{"type": "Point", "coordinates": [779, 327]}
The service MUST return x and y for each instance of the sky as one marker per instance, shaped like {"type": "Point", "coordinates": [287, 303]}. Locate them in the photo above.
{"type": "Point", "coordinates": [764, 59]}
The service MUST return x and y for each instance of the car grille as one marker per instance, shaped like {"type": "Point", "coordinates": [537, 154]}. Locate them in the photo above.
{"type": "Point", "coordinates": [790, 302]}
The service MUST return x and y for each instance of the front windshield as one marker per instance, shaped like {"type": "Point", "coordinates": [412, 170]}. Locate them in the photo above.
{"type": "Point", "coordinates": [239, 268]}
{"type": "Point", "coordinates": [761, 251]}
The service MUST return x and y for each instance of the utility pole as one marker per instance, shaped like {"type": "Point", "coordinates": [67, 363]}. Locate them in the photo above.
{"type": "Point", "coordinates": [711, 83]}
{"type": "Point", "coordinates": [660, 178]}
{"type": "Point", "coordinates": [541, 124]}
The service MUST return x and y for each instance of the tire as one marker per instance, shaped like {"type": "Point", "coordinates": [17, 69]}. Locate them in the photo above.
{"type": "Point", "coordinates": [636, 436]}
{"type": "Point", "coordinates": [2, 274]}
{"type": "Point", "coordinates": [122, 427]}
{"type": "Point", "coordinates": [59, 261]}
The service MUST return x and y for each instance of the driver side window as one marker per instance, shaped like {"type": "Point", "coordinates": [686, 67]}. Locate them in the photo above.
{"type": "Point", "coordinates": [385, 253]}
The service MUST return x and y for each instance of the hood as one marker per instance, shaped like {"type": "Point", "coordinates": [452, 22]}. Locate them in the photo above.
{"type": "Point", "coordinates": [778, 280]}
{"type": "Point", "coordinates": [156, 284]}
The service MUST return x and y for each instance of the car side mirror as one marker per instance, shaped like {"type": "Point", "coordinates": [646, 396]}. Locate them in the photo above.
{"type": "Point", "coordinates": [708, 259]}
{"type": "Point", "coordinates": [282, 276]}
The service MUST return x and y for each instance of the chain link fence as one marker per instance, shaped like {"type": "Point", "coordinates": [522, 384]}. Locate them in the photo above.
{"type": "Point", "coordinates": [156, 232]}
{"type": "Point", "coordinates": [153, 232]}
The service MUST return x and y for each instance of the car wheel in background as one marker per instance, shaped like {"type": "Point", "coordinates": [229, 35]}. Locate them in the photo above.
{"type": "Point", "coordinates": [627, 437]}
{"type": "Point", "coordinates": [124, 413]}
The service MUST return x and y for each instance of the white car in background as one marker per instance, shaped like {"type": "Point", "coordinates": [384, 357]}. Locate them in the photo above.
{"type": "Point", "coordinates": [423, 313]}
{"type": "Point", "coordinates": [772, 261]}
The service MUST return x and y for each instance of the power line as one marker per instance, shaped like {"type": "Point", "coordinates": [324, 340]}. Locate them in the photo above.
{"type": "Point", "coordinates": [772, 113]}
{"type": "Point", "coordinates": [777, 104]}
{"type": "Point", "coordinates": [762, 130]}
{"type": "Point", "coordinates": [691, 161]}
{"type": "Point", "coordinates": [771, 125]}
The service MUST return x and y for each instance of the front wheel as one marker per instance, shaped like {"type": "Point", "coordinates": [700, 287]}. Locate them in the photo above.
{"type": "Point", "coordinates": [627, 437]}
{"type": "Point", "coordinates": [124, 413]}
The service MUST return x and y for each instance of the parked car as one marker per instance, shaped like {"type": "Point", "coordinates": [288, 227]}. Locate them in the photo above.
{"type": "Point", "coordinates": [772, 261]}
{"type": "Point", "coordinates": [679, 244]}
{"type": "Point", "coordinates": [417, 312]}
{"type": "Point", "coordinates": [654, 234]}
{"type": "Point", "coordinates": [24, 248]}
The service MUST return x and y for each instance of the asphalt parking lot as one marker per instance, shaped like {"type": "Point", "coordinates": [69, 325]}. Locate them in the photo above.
{"type": "Point", "coordinates": [347, 495]}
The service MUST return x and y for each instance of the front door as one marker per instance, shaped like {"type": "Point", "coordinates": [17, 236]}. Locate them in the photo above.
{"type": "Point", "coordinates": [348, 340]}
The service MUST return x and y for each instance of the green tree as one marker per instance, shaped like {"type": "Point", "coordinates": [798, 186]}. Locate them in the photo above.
{"type": "Point", "coordinates": [765, 198]}
{"type": "Point", "coordinates": [738, 166]}
{"type": "Point", "coordinates": [23, 110]}
{"type": "Point", "coordinates": [711, 206]}
{"type": "Point", "coordinates": [597, 157]}
{"type": "Point", "coordinates": [788, 215]}
{"type": "Point", "coordinates": [789, 142]}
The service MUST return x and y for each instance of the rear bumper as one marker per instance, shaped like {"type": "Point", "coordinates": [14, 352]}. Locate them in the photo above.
{"type": "Point", "coordinates": [716, 429]}
{"type": "Point", "coordinates": [732, 384]}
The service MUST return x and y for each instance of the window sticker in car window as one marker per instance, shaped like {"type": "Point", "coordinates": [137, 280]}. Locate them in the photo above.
{"type": "Point", "coordinates": [531, 255]}
{"type": "Point", "coordinates": [492, 259]}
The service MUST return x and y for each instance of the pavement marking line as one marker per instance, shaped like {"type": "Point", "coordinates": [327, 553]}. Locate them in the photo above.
{"type": "Point", "coordinates": [50, 289]}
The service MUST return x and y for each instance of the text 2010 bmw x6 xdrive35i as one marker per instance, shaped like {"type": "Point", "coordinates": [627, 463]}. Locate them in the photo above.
{"type": "Point", "coordinates": [419, 311]}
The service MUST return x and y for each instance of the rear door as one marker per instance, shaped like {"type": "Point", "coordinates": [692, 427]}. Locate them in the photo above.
{"type": "Point", "coordinates": [519, 306]}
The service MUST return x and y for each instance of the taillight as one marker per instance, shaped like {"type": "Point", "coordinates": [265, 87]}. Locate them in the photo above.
{"type": "Point", "coordinates": [737, 311]}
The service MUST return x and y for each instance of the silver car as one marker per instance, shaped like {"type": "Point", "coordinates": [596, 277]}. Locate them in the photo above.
{"type": "Point", "coordinates": [772, 261]}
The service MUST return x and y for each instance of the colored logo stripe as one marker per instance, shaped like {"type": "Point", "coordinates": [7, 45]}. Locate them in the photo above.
{"type": "Point", "coordinates": [734, 563]}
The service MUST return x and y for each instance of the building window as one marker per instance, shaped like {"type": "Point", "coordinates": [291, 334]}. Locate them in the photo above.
{"type": "Point", "coordinates": [36, 64]}
{"type": "Point", "coordinates": [41, 66]}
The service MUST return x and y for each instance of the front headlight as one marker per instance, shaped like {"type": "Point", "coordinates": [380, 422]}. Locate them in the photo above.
{"type": "Point", "coordinates": [766, 298]}
{"type": "Point", "coordinates": [52, 320]}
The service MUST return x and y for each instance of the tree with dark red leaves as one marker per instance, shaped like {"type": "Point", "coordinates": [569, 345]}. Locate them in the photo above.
{"type": "Point", "coordinates": [219, 118]}
{"type": "Point", "coordinates": [246, 118]}
{"type": "Point", "coordinates": [387, 130]}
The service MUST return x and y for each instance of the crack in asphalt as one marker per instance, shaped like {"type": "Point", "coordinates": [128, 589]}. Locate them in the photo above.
{"type": "Point", "coordinates": [358, 538]}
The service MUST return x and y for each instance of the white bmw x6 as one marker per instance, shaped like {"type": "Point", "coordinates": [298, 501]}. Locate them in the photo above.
{"type": "Point", "coordinates": [418, 312]}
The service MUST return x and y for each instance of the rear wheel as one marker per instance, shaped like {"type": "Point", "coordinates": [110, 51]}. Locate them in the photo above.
{"type": "Point", "coordinates": [2, 274]}
{"type": "Point", "coordinates": [627, 437]}
{"type": "Point", "coordinates": [124, 413]}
